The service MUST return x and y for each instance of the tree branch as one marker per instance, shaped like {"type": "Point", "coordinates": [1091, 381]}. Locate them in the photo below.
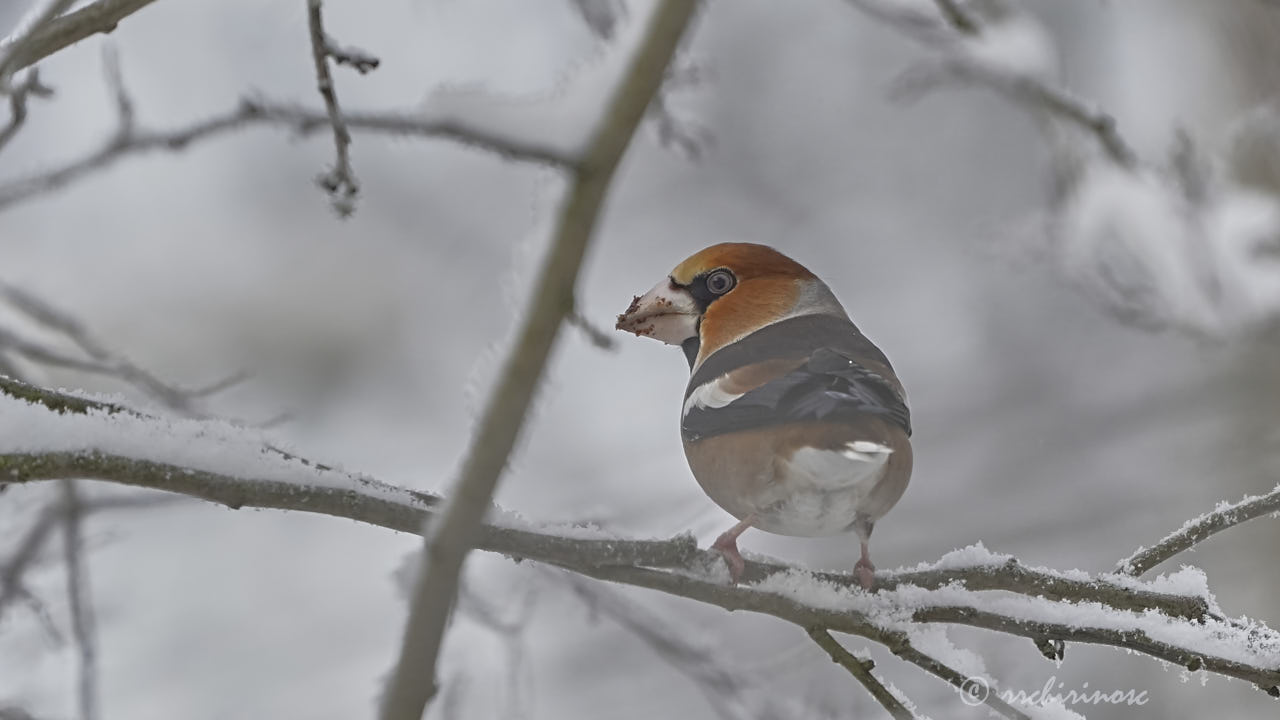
{"type": "Point", "coordinates": [1196, 530]}
{"type": "Point", "coordinates": [551, 301]}
{"type": "Point", "coordinates": [861, 671]}
{"type": "Point", "coordinates": [66, 30]}
{"type": "Point", "coordinates": [37, 17]}
{"type": "Point", "coordinates": [1236, 648]}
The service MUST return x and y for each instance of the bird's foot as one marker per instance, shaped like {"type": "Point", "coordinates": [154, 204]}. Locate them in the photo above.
{"type": "Point", "coordinates": [727, 546]}
{"type": "Point", "coordinates": [866, 573]}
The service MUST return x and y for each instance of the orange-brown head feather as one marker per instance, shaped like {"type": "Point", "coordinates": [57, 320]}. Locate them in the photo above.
{"type": "Point", "coordinates": [770, 286]}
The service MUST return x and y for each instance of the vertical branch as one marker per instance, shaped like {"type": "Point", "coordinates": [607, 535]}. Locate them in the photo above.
{"type": "Point", "coordinates": [78, 596]}
{"type": "Point", "coordinates": [340, 182]}
{"type": "Point", "coordinates": [452, 535]}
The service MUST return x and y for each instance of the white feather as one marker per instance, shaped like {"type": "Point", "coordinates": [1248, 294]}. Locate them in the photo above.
{"type": "Point", "coordinates": [710, 395]}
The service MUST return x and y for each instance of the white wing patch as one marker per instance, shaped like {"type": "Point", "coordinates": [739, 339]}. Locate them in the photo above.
{"type": "Point", "coordinates": [710, 395]}
{"type": "Point", "coordinates": [858, 467]}
{"type": "Point", "coordinates": [867, 451]}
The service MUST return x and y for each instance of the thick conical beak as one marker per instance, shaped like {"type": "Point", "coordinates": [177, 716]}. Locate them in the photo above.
{"type": "Point", "coordinates": [666, 313]}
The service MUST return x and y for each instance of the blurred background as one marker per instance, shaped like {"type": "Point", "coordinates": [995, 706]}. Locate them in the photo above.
{"type": "Point", "coordinates": [1048, 423]}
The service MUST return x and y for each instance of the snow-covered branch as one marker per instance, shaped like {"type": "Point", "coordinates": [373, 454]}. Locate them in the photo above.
{"type": "Point", "coordinates": [1196, 530]}
{"type": "Point", "coordinates": [47, 435]}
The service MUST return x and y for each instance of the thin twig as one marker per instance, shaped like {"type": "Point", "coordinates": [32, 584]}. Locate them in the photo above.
{"type": "Point", "coordinates": [454, 533]}
{"type": "Point", "coordinates": [102, 360]}
{"type": "Point", "coordinates": [300, 120]}
{"type": "Point", "coordinates": [594, 334]}
{"type": "Point", "coordinates": [78, 599]}
{"type": "Point", "coordinates": [861, 671]}
{"type": "Point", "coordinates": [340, 182]}
{"type": "Point", "coordinates": [958, 17]}
{"type": "Point", "coordinates": [1226, 515]}
{"type": "Point", "coordinates": [28, 548]}
{"type": "Point", "coordinates": [21, 91]}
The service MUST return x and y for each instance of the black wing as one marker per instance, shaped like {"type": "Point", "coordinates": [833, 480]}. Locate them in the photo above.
{"type": "Point", "coordinates": [829, 386]}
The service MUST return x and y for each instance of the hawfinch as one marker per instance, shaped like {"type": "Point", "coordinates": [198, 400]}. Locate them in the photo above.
{"type": "Point", "coordinates": [793, 421]}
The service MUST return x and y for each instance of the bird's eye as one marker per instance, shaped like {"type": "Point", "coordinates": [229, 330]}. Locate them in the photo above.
{"type": "Point", "coordinates": [721, 282]}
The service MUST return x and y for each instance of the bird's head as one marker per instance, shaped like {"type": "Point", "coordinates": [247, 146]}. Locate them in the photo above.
{"type": "Point", "coordinates": [723, 293]}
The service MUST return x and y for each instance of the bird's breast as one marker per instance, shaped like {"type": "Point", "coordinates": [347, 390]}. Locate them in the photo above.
{"type": "Point", "coordinates": [792, 489]}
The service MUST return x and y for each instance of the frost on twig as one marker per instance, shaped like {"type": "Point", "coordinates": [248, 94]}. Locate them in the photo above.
{"type": "Point", "coordinates": [1196, 530]}
{"type": "Point", "coordinates": [340, 182]}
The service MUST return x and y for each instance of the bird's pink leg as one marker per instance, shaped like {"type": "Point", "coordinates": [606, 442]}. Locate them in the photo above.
{"type": "Point", "coordinates": [727, 546]}
{"type": "Point", "coordinates": [864, 570]}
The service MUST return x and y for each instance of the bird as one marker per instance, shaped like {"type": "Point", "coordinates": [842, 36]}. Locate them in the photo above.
{"type": "Point", "coordinates": [792, 421]}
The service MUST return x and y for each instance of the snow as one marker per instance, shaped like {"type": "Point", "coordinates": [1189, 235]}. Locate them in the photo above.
{"type": "Point", "coordinates": [1053, 709]}
{"type": "Point", "coordinates": [1243, 641]}
{"type": "Point", "coordinates": [1155, 257]}
{"type": "Point", "coordinates": [971, 556]}
{"type": "Point", "coordinates": [1018, 45]}
{"type": "Point", "coordinates": [213, 446]}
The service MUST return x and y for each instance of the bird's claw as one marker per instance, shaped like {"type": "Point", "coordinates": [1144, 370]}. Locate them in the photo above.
{"type": "Point", "coordinates": [866, 574]}
{"type": "Point", "coordinates": [732, 558]}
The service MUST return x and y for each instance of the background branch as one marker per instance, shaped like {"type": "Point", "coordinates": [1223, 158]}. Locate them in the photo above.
{"type": "Point", "coordinates": [79, 600]}
{"type": "Point", "coordinates": [300, 120]}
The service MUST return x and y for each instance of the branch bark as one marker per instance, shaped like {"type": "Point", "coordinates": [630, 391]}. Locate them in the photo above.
{"type": "Point", "coordinates": [66, 30]}
{"type": "Point", "coordinates": [552, 300]}
{"type": "Point", "coordinates": [861, 671]}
